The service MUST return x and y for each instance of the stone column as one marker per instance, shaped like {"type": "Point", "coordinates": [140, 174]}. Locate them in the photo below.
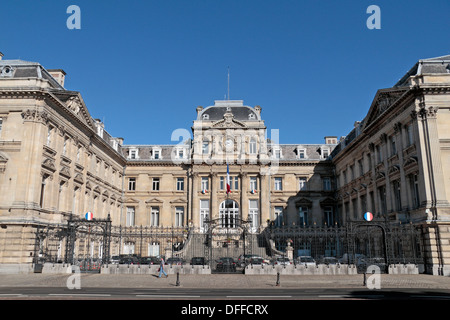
{"type": "Point", "coordinates": [195, 213]}
{"type": "Point", "coordinates": [244, 196]}
{"type": "Point", "coordinates": [214, 193]}
{"type": "Point", "coordinates": [265, 197]}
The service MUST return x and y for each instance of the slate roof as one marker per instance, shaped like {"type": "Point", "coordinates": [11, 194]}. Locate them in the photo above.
{"type": "Point", "coordinates": [26, 69]}
{"type": "Point", "coordinates": [236, 107]}
{"type": "Point", "coordinates": [427, 66]}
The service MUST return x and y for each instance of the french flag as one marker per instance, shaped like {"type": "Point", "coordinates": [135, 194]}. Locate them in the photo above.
{"type": "Point", "coordinates": [89, 216]}
{"type": "Point", "coordinates": [228, 179]}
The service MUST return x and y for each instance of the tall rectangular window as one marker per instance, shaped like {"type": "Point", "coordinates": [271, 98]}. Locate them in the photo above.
{"type": "Point", "coordinates": [302, 216]}
{"type": "Point", "coordinates": [415, 190]}
{"type": "Point", "coordinates": [180, 184]}
{"type": "Point", "coordinates": [302, 184]}
{"type": "Point", "coordinates": [154, 217]}
{"type": "Point", "coordinates": [49, 136]}
{"type": "Point", "coordinates": [155, 184]}
{"type": "Point", "coordinates": [205, 183]}
{"type": "Point", "coordinates": [382, 197]}
{"type": "Point", "coordinates": [278, 215]}
{"type": "Point", "coordinates": [409, 130]}
{"type": "Point", "coordinates": [278, 183]}
{"type": "Point", "coordinates": [379, 153]}
{"type": "Point", "coordinates": [205, 147]}
{"type": "Point", "coordinates": [1, 125]}
{"type": "Point", "coordinates": [179, 216]}
{"type": "Point", "coordinates": [222, 183]}
{"type": "Point", "coordinates": [130, 216]}
{"type": "Point", "coordinates": [252, 146]}
{"type": "Point", "coordinates": [253, 215]}
{"type": "Point", "coordinates": [393, 146]}
{"type": "Point", "coordinates": [397, 195]}
{"type": "Point", "coordinates": [78, 153]}
{"type": "Point", "coordinates": [131, 184]}
{"type": "Point", "coordinates": [253, 183]}
{"type": "Point", "coordinates": [204, 214]}
{"type": "Point", "coordinates": [153, 249]}
{"type": "Point", "coordinates": [66, 142]}
{"type": "Point", "coordinates": [326, 183]}
{"type": "Point", "coordinates": [328, 216]}
{"type": "Point", "coordinates": [236, 183]}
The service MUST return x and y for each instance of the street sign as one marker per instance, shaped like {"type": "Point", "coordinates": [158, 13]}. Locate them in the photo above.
{"type": "Point", "coordinates": [368, 216]}
{"type": "Point", "coordinates": [89, 216]}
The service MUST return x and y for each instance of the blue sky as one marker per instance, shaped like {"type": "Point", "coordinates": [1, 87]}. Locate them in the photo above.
{"type": "Point", "coordinates": [144, 66]}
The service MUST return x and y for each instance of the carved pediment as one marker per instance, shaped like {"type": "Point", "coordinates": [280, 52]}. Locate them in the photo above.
{"type": "Point", "coordinates": [154, 201]}
{"type": "Point", "coordinates": [79, 178]}
{"type": "Point", "coordinates": [178, 201]}
{"type": "Point", "coordinates": [75, 104]}
{"type": "Point", "coordinates": [383, 100]}
{"type": "Point", "coordinates": [228, 121]}
{"type": "Point", "coordinates": [410, 161]}
{"type": "Point", "coordinates": [303, 202]}
{"type": "Point", "coordinates": [131, 200]}
{"type": "Point", "coordinates": [394, 169]}
{"type": "Point", "coordinates": [49, 164]}
{"type": "Point", "coordinates": [65, 172]}
{"type": "Point", "coordinates": [328, 202]}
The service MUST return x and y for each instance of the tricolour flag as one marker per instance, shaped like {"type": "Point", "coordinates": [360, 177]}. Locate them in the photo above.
{"type": "Point", "coordinates": [89, 216]}
{"type": "Point", "coordinates": [228, 179]}
{"type": "Point", "coordinates": [368, 216]}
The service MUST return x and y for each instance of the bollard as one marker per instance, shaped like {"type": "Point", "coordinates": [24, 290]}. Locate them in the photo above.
{"type": "Point", "coordinates": [364, 280]}
{"type": "Point", "coordinates": [178, 279]}
{"type": "Point", "coordinates": [278, 279]}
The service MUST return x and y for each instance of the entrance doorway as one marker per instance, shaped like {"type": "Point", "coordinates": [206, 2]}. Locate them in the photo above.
{"type": "Point", "coordinates": [229, 214]}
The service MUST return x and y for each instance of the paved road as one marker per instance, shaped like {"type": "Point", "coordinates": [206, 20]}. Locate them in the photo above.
{"type": "Point", "coordinates": [180, 293]}
{"type": "Point", "coordinates": [216, 286]}
{"type": "Point", "coordinates": [220, 296]}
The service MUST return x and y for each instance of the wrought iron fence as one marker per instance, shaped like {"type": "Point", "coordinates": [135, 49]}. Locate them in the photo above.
{"type": "Point", "coordinates": [361, 244]}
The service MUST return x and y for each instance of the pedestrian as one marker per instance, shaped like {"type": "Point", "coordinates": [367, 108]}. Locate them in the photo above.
{"type": "Point", "coordinates": [161, 268]}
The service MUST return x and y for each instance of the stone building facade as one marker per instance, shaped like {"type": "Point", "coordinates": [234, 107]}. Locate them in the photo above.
{"type": "Point", "coordinates": [396, 161]}
{"type": "Point", "coordinates": [57, 163]}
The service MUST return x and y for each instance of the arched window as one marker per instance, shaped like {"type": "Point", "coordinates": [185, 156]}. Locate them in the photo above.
{"type": "Point", "coordinates": [229, 214]}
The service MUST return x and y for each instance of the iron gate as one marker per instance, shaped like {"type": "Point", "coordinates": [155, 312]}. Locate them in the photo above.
{"type": "Point", "coordinates": [227, 248]}
{"type": "Point", "coordinates": [88, 243]}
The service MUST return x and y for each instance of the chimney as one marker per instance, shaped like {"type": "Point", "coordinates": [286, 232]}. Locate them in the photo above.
{"type": "Point", "coordinates": [59, 75]}
{"type": "Point", "coordinates": [1, 55]}
{"type": "Point", "coordinates": [330, 140]}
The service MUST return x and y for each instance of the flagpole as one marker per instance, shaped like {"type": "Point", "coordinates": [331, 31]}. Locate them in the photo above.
{"type": "Point", "coordinates": [228, 83]}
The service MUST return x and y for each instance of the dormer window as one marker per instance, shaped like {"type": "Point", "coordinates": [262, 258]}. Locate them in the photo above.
{"type": "Point", "coordinates": [156, 153]}
{"type": "Point", "coordinates": [180, 153]}
{"type": "Point", "coordinates": [205, 116]}
{"type": "Point", "coordinates": [133, 154]}
{"type": "Point", "coordinates": [6, 71]}
{"type": "Point", "coordinates": [301, 153]}
{"type": "Point", "coordinates": [276, 153]}
{"type": "Point", "coordinates": [251, 116]}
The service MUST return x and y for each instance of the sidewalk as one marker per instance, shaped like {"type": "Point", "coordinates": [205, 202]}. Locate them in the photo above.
{"type": "Point", "coordinates": [226, 281]}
